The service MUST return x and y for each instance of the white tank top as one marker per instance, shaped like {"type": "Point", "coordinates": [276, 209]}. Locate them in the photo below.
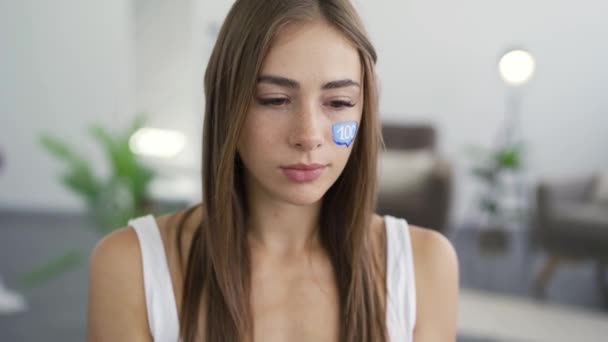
{"type": "Point", "coordinates": [160, 298]}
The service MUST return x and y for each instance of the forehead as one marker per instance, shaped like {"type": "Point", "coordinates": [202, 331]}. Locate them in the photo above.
{"type": "Point", "coordinates": [312, 51]}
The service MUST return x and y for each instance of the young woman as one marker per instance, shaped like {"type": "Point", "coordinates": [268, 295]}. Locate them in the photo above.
{"type": "Point", "coordinates": [286, 245]}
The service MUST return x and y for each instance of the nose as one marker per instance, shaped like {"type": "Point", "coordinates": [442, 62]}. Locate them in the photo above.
{"type": "Point", "coordinates": [307, 130]}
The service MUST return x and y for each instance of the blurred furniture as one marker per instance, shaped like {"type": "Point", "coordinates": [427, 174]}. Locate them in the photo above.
{"type": "Point", "coordinates": [415, 183]}
{"type": "Point", "coordinates": [571, 223]}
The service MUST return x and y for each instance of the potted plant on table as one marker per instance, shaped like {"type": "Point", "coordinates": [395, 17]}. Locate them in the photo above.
{"type": "Point", "coordinates": [490, 167]}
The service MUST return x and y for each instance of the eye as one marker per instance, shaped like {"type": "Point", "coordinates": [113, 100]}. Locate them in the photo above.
{"type": "Point", "coordinates": [339, 104]}
{"type": "Point", "coordinates": [274, 102]}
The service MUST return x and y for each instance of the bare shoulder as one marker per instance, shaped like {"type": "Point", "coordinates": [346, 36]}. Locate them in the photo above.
{"type": "Point", "coordinates": [189, 217]}
{"type": "Point", "coordinates": [116, 300]}
{"type": "Point", "coordinates": [428, 243]}
{"type": "Point", "coordinates": [437, 285]}
{"type": "Point", "coordinates": [116, 244]}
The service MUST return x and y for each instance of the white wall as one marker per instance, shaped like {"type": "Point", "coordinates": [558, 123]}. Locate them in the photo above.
{"type": "Point", "coordinates": [63, 65]}
{"type": "Point", "coordinates": [437, 62]}
{"type": "Point", "coordinates": [168, 82]}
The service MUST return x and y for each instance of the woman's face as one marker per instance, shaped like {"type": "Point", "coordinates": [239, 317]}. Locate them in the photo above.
{"type": "Point", "coordinates": [310, 83]}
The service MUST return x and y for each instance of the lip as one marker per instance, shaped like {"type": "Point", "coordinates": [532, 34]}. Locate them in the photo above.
{"type": "Point", "coordinates": [301, 166]}
{"type": "Point", "coordinates": [302, 173]}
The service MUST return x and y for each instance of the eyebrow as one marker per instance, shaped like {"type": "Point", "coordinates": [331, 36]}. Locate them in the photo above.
{"type": "Point", "coordinates": [289, 83]}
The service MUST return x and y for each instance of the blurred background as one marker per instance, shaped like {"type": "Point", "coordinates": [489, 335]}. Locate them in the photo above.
{"type": "Point", "coordinates": [494, 117]}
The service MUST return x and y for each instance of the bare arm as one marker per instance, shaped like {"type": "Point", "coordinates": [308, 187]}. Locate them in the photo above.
{"type": "Point", "coordinates": [117, 308]}
{"type": "Point", "coordinates": [437, 287]}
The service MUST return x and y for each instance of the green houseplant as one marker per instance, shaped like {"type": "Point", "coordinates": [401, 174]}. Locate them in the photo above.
{"type": "Point", "coordinates": [489, 165]}
{"type": "Point", "coordinates": [111, 201]}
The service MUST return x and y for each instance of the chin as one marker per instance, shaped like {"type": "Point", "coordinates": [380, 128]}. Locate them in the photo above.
{"type": "Point", "coordinates": [302, 196]}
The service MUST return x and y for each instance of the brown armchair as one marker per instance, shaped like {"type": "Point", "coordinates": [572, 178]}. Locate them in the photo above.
{"type": "Point", "coordinates": [414, 181]}
{"type": "Point", "coordinates": [570, 225]}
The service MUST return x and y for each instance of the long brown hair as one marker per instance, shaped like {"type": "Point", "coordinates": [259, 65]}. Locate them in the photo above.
{"type": "Point", "coordinates": [218, 267]}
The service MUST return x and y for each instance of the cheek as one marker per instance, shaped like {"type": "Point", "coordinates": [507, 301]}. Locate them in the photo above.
{"type": "Point", "coordinates": [258, 134]}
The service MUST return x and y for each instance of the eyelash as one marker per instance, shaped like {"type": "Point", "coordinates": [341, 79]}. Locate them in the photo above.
{"type": "Point", "coordinates": [272, 102]}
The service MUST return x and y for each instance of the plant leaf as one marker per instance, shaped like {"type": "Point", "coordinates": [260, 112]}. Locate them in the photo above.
{"type": "Point", "coordinates": [79, 177]}
{"type": "Point", "coordinates": [80, 180]}
{"type": "Point", "coordinates": [58, 148]}
{"type": "Point", "coordinates": [52, 269]}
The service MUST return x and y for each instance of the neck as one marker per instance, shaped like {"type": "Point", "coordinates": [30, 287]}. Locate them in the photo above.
{"type": "Point", "coordinates": [283, 229]}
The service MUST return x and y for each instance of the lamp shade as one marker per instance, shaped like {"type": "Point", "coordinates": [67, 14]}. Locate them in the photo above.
{"type": "Point", "coordinates": [154, 142]}
{"type": "Point", "coordinates": [516, 67]}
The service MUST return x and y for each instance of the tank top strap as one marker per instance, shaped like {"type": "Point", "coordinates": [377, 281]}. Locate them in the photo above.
{"type": "Point", "coordinates": [160, 299]}
{"type": "Point", "coordinates": [401, 285]}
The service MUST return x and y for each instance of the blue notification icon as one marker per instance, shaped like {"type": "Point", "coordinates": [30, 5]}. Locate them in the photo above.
{"type": "Point", "coordinates": [344, 132]}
